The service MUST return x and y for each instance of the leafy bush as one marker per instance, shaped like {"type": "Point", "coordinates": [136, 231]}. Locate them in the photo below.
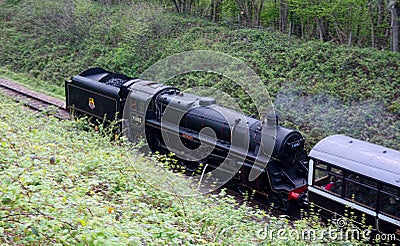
{"type": "Point", "coordinates": [53, 41]}
{"type": "Point", "coordinates": [61, 185]}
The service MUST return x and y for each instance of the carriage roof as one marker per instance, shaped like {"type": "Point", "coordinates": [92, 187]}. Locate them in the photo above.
{"type": "Point", "coordinates": [365, 158]}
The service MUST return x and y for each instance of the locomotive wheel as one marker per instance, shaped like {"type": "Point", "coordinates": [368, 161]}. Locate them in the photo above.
{"type": "Point", "coordinates": [191, 166]}
{"type": "Point", "coordinates": [239, 187]}
{"type": "Point", "coordinates": [154, 143]}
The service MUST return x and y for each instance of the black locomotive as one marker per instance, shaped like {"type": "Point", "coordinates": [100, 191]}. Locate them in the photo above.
{"type": "Point", "coordinates": [174, 121]}
{"type": "Point", "coordinates": [260, 155]}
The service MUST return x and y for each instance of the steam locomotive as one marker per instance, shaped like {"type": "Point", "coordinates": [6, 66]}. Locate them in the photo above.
{"type": "Point", "coordinates": [260, 155]}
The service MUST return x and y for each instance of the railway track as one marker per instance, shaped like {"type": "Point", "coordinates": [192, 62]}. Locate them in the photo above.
{"type": "Point", "coordinates": [34, 100]}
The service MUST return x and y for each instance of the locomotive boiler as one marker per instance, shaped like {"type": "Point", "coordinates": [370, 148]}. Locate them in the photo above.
{"type": "Point", "coordinates": [260, 154]}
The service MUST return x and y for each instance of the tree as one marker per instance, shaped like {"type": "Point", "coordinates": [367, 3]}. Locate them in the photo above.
{"type": "Point", "coordinates": [394, 25]}
{"type": "Point", "coordinates": [283, 16]}
{"type": "Point", "coordinates": [250, 12]}
{"type": "Point", "coordinates": [353, 22]}
{"type": "Point", "coordinates": [215, 10]}
{"type": "Point", "coordinates": [183, 6]}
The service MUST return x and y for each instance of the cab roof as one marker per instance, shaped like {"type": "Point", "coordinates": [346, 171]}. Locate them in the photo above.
{"type": "Point", "coordinates": [365, 158]}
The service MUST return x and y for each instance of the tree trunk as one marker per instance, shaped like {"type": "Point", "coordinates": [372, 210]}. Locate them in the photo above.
{"type": "Point", "coordinates": [371, 19]}
{"type": "Point", "coordinates": [380, 30]}
{"type": "Point", "coordinates": [257, 10]}
{"type": "Point", "coordinates": [283, 13]}
{"type": "Point", "coordinates": [276, 18]}
{"type": "Point", "coordinates": [183, 6]}
{"type": "Point", "coordinates": [176, 3]}
{"type": "Point", "coordinates": [242, 18]}
{"type": "Point", "coordinates": [394, 26]}
{"type": "Point", "coordinates": [321, 28]}
{"type": "Point", "coordinates": [350, 40]}
{"type": "Point", "coordinates": [218, 10]}
{"type": "Point", "coordinates": [212, 10]}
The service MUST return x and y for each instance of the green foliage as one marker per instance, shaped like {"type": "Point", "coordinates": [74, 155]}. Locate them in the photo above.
{"type": "Point", "coordinates": [128, 37]}
{"type": "Point", "coordinates": [64, 186]}
{"type": "Point", "coordinates": [60, 185]}
{"type": "Point", "coordinates": [46, 87]}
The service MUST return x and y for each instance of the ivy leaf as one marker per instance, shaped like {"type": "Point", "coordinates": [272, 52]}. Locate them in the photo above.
{"type": "Point", "coordinates": [33, 229]}
{"type": "Point", "coordinates": [82, 222]}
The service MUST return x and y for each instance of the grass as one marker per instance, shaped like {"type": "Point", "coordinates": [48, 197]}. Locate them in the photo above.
{"type": "Point", "coordinates": [34, 83]}
{"type": "Point", "coordinates": [61, 185]}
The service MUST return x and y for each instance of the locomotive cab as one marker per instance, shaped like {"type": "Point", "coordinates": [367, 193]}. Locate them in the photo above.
{"type": "Point", "coordinates": [140, 110]}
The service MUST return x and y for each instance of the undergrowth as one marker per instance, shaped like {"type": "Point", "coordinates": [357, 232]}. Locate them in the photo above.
{"type": "Point", "coordinates": [61, 185]}
{"type": "Point", "coordinates": [52, 41]}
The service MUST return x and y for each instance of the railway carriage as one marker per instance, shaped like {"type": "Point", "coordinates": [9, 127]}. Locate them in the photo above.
{"type": "Point", "coordinates": [361, 179]}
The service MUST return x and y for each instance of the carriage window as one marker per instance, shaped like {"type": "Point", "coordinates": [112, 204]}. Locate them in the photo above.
{"type": "Point", "coordinates": [320, 171]}
{"type": "Point", "coordinates": [336, 170]}
{"type": "Point", "coordinates": [328, 178]}
{"type": "Point", "coordinates": [362, 180]}
{"type": "Point", "coordinates": [390, 189]}
{"type": "Point", "coordinates": [390, 204]}
{"type": "Point", "coordinates": [361, 193]}
{"type": "Point", "coordinates": [369, 182]}
{"type": "Point", "coordinates": [334, 185]}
